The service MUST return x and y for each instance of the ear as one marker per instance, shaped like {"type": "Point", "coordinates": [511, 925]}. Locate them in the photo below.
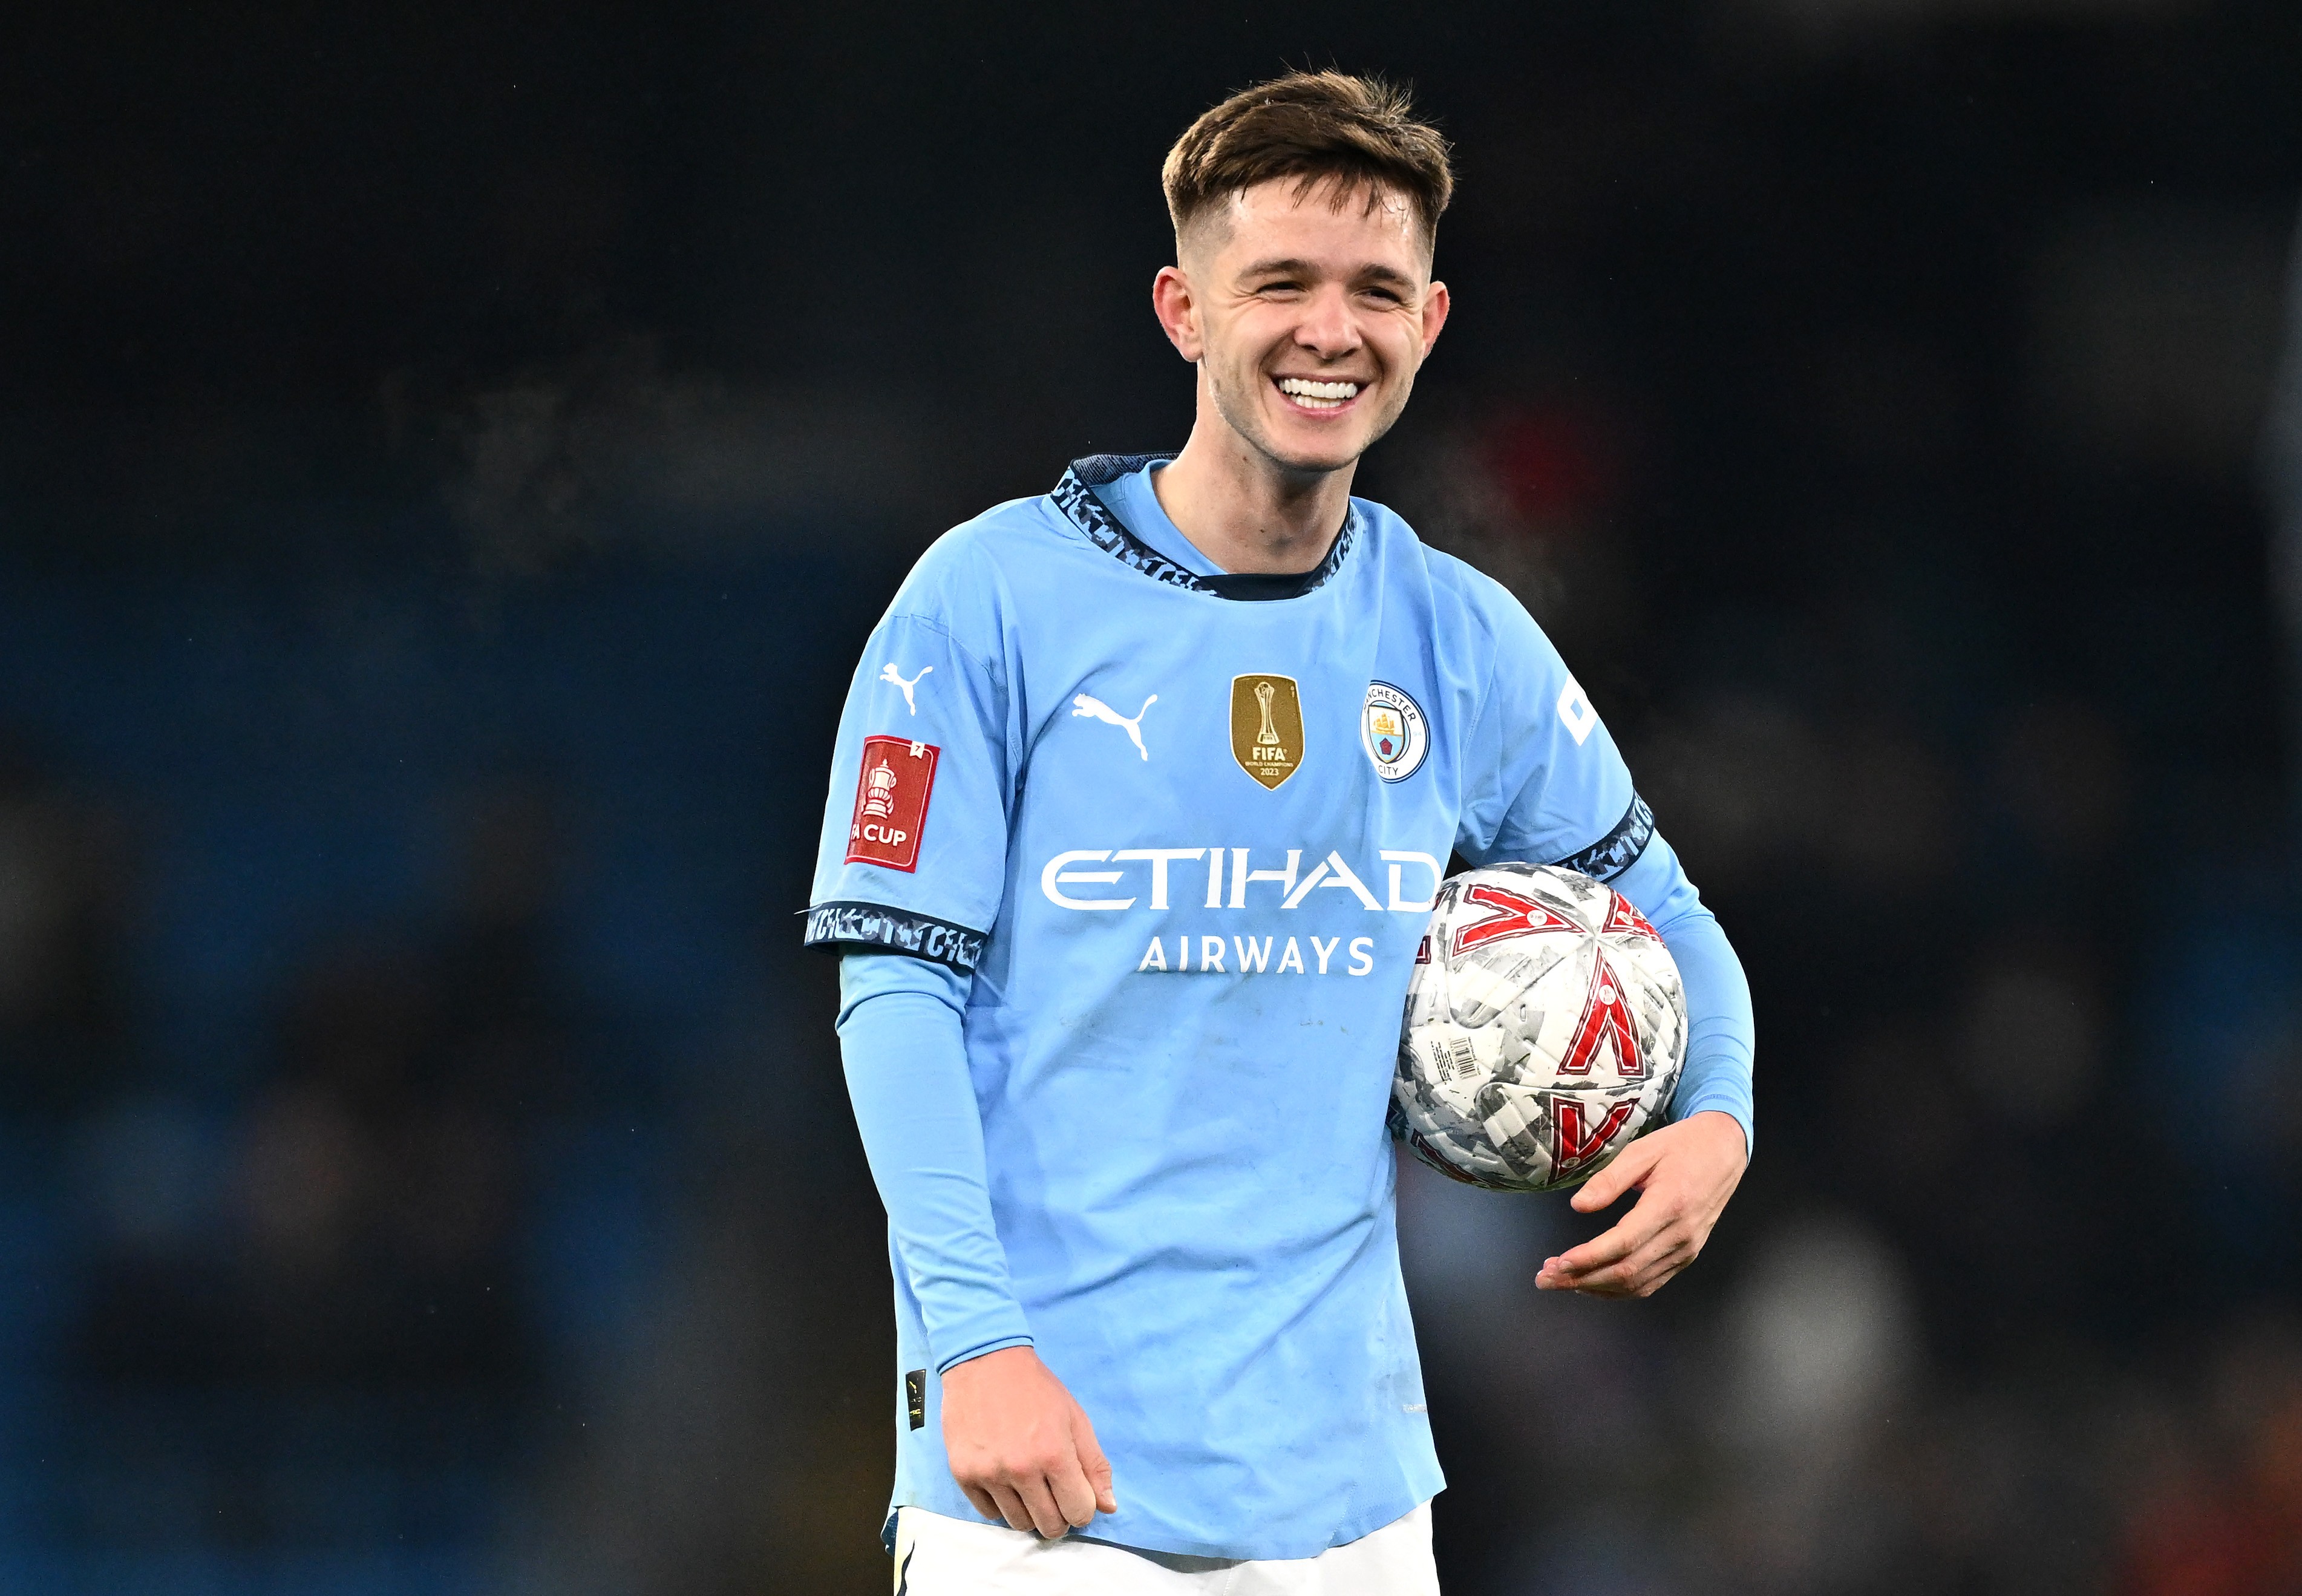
{"type": "Point", "coordinates": [1178, 310]}
{"type": "Point", "coordinates": [1436, 303]}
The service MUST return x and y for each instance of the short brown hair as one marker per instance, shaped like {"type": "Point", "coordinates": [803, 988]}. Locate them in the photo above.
{"type": "Point", "coordinates": [1311, 126]}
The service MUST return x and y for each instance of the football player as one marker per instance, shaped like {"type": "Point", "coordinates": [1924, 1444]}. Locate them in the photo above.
{"type": "Point", "coordinates": [1141, 797]}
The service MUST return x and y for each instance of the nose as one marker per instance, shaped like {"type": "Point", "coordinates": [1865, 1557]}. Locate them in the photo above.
{"type": "Point", "coordinates": [1328, 328]}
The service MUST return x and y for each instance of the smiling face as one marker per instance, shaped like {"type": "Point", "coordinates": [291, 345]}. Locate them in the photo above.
{"type": "Point", "coordinates": [1308, 314]}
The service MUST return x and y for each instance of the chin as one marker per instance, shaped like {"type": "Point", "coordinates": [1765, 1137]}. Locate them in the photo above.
{"type": "Point", "coordinates": [1317, 453]}
{"type": "Point", "coordinates": [1318, 465]}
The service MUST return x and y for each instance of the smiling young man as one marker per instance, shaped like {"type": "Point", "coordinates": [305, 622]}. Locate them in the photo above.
{"type": "Point", "coordinates": [1142, 793]}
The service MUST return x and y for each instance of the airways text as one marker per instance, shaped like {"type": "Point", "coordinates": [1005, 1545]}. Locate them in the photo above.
{"type": "Point", "coordinates": [1252, 956]}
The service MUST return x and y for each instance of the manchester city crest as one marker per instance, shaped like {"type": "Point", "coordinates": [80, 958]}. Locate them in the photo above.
{"type": "Point", "coordinates": [1393, 727]}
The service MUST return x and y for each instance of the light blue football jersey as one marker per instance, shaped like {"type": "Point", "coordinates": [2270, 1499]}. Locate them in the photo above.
{"type": "Point", "coordinates": [1185, 831]}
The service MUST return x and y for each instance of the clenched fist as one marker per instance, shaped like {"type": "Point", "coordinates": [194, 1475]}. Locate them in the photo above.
{"type": "Point", "coordinates": [1021, 1447]}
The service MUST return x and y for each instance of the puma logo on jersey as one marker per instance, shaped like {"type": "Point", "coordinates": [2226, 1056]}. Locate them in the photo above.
{"type": "Point", "coordinates": [890, 674]}
{"type": "Point", "coordinates": [1084, 705]}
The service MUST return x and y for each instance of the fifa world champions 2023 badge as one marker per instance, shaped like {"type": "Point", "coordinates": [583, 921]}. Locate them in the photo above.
{"type": "Point", "coordinates": [891, 803]}
{"type": "Point", "coordinates": [1395, 731]}
{"type": "Point", "coordinates": [1266, 726]}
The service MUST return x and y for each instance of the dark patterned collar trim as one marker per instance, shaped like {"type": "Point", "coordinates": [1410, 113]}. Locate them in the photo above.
{"type": "Point", "coordinates": [1076, 496]}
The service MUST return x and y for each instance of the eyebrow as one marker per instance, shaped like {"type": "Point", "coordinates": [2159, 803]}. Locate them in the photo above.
{"type": "Point", "coordinates": [1374, 270]}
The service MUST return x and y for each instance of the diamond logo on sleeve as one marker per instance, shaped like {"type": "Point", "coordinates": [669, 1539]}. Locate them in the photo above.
{"type": "Point", "coordinates": [891, 803]}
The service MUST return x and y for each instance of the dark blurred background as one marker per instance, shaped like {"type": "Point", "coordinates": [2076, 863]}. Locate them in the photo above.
{"type": "Point", "coordinates": [449, 457]}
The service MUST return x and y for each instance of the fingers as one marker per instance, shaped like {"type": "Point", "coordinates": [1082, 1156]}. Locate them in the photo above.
{"type": "Point", "coordinates": [1026, 1505]}
{"type": "Point", "coordinates": [1082, 1484]}
{"type": "Point", "coordinates": [1053, 1494]}
{"type": "Point", "coordinates": [1092, 1462]}
{"type": "Point", "coordinates": [1045, 1502]}
{"type": "Point", "coordinates": [1073, 1494]}
{"type": "Point", "coordinates": [1629, 1168]}
{"type": "Point", "coordinates": [1010, 1506]}
{"type": "Point", "coordinates": [1062, 1492]}
{"type": "Point", "coordinates": [1633, 1259]}
{"type": "Point", "coordinates": [1633, 1231]}
{"type": "Point", "coordinates": [1643, 1273]}
{"type": "Point", "coordinates": [1043, 1515]}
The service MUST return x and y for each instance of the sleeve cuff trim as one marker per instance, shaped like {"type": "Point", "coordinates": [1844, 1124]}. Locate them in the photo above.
{"type": "Point", "coordinates": [894, 930]}
{"type": "Point", "coordinates": [1001, 1345]}
{"type": "Point", "coordinates": [1619, 849]}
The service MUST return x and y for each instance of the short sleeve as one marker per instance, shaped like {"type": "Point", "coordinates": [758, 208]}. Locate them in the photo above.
{"type": "Point", "coordinates": [1544, 781]}
{"type": "Point", "coordinates": [914, 845]}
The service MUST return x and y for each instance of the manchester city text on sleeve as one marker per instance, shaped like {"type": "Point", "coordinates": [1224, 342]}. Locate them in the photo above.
{"type": "Point", "coordinates": [866, 926]}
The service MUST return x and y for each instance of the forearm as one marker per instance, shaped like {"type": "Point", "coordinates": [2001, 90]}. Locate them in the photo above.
{"type": "Point", "coordinates": [1721, 1030]}
{"type": "Point", "coordinates": [902, 1042]}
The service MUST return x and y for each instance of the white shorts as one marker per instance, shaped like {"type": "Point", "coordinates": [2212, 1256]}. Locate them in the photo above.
{"type": "Point", "coordinates": [936, 1556]}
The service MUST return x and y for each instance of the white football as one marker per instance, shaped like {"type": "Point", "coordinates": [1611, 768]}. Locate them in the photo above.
{"type": "Point", "coordinates": [1545, 1029]}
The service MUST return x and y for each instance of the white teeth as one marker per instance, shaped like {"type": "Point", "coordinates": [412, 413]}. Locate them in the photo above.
{"type": "Point", "coordinates": [1317, 396]}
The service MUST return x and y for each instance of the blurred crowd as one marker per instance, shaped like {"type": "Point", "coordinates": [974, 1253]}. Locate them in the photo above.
{"type": "Point", "coordinates": [293, 1311]}
{"type": "Point", "coordinates": [2013, 1309]}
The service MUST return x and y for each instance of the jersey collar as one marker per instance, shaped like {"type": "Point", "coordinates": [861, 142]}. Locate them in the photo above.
{"type": "Point", "coordinates": [1076, 496]}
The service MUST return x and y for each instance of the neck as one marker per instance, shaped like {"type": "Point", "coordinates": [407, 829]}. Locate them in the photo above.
{"type": "Point", "coordinates": [1246, 512]}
